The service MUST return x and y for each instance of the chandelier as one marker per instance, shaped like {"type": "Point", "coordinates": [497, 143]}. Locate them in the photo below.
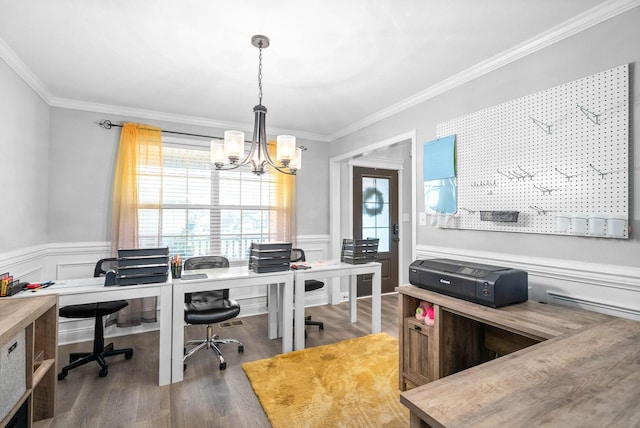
{"type": "Point", "coordinates": [230, 155]}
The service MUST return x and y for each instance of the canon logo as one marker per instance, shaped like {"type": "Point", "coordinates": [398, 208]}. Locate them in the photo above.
{"type": "Point", "coordinates": [444, 281]}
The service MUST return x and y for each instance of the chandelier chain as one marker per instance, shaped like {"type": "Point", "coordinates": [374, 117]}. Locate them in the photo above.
{"type": "Point", "coordinates": [260, 76]}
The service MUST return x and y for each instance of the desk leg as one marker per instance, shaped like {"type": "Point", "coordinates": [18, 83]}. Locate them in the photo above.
{"type": "Point", "coordinates": [353, 298]}
{"type": "Point", "coordinates": [376, 301]}
{"type": "Point", "coordinates": [299, 314]}
{"type": "Point", "coordinates": [178, 335]}
{"type": "Point", "coordinates": [165, 348]}
{"type": "Point", "coordinates": [273, 305]}
{"type": "Point", "coordinates": [285, 310]}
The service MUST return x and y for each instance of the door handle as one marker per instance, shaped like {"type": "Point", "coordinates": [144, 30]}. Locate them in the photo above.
{"type": "Point", "coordinates": [396, 231]}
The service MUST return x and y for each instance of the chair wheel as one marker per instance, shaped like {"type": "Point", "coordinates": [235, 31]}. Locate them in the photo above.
{"type": "Point", "coordinates": [184, 367]}
{"type": "Point", "coordinates": [223, 365]}
{"type": "Point", "coordinates": [128, 355]}
{"type": "Point", "coordinates": [321, 326]}
{"type": "Point", "coordinates": [103, 372]}
{"type": "Point", "coordinates": [62, 374]}
{"type": "Point", "coordinates": [241, 348]}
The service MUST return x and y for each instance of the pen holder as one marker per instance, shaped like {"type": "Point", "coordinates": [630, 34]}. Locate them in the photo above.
{"type": "Point", "coordinates": [176, 270]}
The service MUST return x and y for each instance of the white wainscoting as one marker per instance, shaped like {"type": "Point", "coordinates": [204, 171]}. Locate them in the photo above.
{"type": "Point", "coordinates": [60, 261]}
{"type": "Point", "coordinates": [609, 289]}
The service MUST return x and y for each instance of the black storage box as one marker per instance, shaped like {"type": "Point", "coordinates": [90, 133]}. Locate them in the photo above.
{"type": "Point", "coordinates": [269, 256]}
{"type": "Point", "coordinates": [142, 266]}
{"type": "Point", "coordinates": [359, 251]}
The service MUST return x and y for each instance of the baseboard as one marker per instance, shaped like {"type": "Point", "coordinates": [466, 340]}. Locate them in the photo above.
{"type": "Point", "coordinates": [595, 306]}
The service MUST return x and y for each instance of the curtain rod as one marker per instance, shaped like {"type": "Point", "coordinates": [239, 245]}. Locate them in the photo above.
{"type": "Point", "coordinates": [107, 124]}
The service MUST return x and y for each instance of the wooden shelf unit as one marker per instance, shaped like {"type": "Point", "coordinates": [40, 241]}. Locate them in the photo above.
{"type": "Point", "coordinates": [37, 317]}
{"type": "Point", "coordinates": [467, 334]}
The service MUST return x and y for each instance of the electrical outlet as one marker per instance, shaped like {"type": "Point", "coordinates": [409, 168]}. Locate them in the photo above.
{"type": "Point", "coordinates": [345, 297]}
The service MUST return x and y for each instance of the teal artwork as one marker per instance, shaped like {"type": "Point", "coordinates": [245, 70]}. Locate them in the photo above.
{"type": "Point", "coordinates": [439, 174]}
{"type": "Point", "coordinates": [439, 159]}
{"type": "Point", "coordinates": [440, 196]}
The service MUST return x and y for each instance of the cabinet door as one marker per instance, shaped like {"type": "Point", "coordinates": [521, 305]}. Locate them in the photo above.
{"type": "Point", "coordinates": [417, 364]}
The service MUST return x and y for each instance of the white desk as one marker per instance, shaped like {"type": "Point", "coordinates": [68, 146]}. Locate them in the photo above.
{"type": "Point", "coordinates": [233, 277]}
{"type": "Point", "coordinates": [91, 290]}
{"type": "Point", "coordinates": [331, 269]}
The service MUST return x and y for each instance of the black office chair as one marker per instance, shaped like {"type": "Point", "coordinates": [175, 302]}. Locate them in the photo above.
{"type": "Point", "coordinates": [297, 255]}
{"type": "Point", "coordinates": [209, 307]}
{"type": "Point", "coordinates": [97, 311]}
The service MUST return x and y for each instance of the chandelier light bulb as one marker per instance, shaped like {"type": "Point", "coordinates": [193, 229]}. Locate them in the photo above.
{"type": "Point", "coordinates": [234, 145]}
{"type": "Point", "coordinates": [217, 153]}
{"type": "Point", "coordinates": [286, 148]}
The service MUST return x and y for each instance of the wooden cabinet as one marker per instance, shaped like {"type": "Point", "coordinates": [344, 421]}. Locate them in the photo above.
{"type": "Point", "coordinates": [36, 320]}
{"type": "Point", "coordinates": [417, 348]}
{"type": "Point", "coordinates": [467, 334]}
{"type": "Point", "coordinates": [418, 365]}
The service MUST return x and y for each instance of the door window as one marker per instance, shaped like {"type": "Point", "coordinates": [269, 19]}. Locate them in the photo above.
{"type": "Point", "coordinates": [375, 211]}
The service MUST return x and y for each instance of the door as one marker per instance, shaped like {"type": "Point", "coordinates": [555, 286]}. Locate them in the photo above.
{"type": "Point", "coordinates": [375, 215]}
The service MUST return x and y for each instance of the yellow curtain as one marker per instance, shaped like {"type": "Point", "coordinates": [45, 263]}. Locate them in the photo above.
{"type": "Point", "coordinates": [140, 151]}
{"type": "Point", "coordinates": [283, 225]}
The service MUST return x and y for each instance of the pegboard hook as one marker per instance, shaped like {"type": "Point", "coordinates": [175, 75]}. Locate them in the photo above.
{"type": "Point", "coordinates": [543, 189]}
{"type": "Point", "coordinates": [593, 117]}
{"type": "Point", "coordinates": [539, 210]}
{"type": "Point", "coordinates": [546, 128]}
{"type": "Point", "coordinates": [566, 175]}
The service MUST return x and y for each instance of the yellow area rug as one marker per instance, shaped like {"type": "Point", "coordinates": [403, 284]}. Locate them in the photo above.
{"type": "Point", "coordinates": [353, 383]}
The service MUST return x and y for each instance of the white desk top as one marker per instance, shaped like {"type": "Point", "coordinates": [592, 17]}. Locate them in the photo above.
{"type": "Point", "coordinates": [221, 274]}
{"type": "Point", "coordinates": [87, 285]}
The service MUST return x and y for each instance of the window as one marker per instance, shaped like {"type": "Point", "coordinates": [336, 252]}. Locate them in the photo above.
{"type": "Point", "coordinates": [204, 211]}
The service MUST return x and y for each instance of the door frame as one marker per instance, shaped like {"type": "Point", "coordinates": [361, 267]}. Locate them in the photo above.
{"type": "Point", "coordinates": [336, 193]}
{"type": "Point", "coordinates": [387, 165]}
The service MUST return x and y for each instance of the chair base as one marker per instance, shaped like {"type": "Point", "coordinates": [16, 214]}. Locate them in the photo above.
{"type": "Point", "coordinates": [307, 321]}
{"type": "Point", "coordinates": [210, 342]}
{"type": "Point", "coordinates": [78, 359]}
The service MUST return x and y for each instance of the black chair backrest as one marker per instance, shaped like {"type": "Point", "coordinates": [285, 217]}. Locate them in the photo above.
{"type": "Point", "coordinates": [297, 255]}
{"type": "Point", "coordinates": [207, 262]}
{"type": "Point", "coordinates": [104, 265]}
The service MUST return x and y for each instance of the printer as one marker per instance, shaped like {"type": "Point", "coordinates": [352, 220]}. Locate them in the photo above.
{"type": "Point", "coordinates": [487, 285]}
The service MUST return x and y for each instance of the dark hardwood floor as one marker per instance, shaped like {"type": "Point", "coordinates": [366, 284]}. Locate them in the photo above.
{"type": "Point", "coordinates": [208, 397]}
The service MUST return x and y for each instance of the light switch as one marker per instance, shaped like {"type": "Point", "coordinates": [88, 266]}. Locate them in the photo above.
{"type": "Point", "coordinates": [423, 219]}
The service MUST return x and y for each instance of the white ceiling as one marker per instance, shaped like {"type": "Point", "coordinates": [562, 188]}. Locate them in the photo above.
{"type": "Point", "coordinates": [333, 65]}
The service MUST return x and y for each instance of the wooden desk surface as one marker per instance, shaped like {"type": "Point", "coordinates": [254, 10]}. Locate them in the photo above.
{"type": "Point", "coordinates": [15, 315]}
{"type": "Point", "coordinates": [536, 320]}
{"type": "Point", "coordinates": [586, 378]}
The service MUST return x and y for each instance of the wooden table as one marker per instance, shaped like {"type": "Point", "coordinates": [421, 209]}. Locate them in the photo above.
{"type": "Point", "coordinates": [587, 378]}
{"type": "Point", "coordinates": [558, 366]}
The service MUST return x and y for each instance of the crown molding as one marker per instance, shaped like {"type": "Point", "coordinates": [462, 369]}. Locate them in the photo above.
{"type": "Point", "coordinates": [584, 21]}
{"type": "Point", "coordinates": [12, 60]}
{"type": "Point", "coordinates": [577, 24]}
{"type": "Point", "coordinates": [170, 117]}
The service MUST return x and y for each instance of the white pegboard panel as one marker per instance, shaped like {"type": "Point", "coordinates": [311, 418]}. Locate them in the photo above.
{"type": "Point", "coordinates": [550, 156]}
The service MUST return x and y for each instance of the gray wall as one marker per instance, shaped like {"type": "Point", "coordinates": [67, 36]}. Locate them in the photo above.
{"type": "Point", "coordinates": [24, 147]}
{"type": "Point", "coordinates": [82, 157]}
{"type": "Point", "coordinates": [607, 45]}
